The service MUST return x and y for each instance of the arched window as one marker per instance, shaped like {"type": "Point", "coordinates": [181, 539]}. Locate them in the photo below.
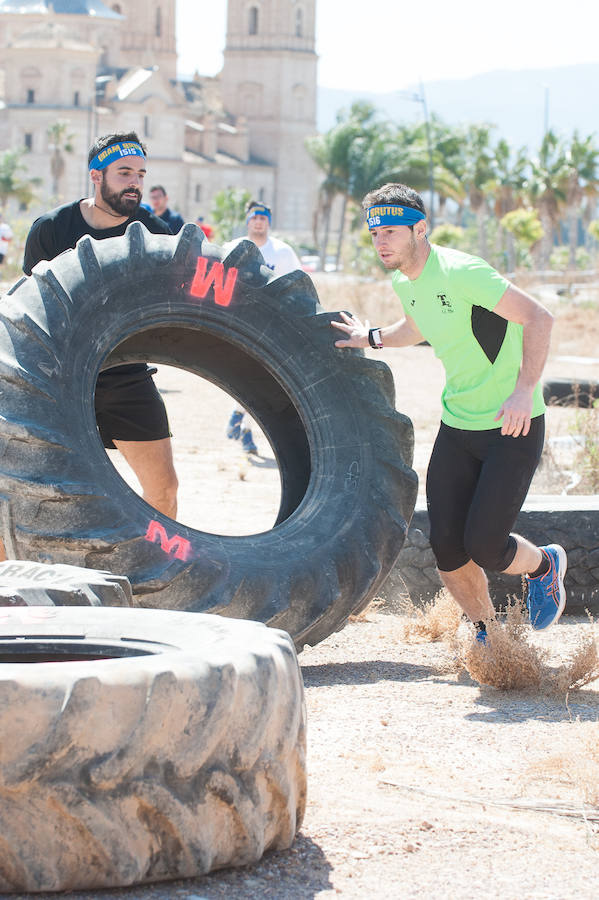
{"type": "Point", "coordinates": [299, 23]}
{"type": "Point", "coordinates": [253, 20]}
{"type": "Point", "coordinates": [159, 22]}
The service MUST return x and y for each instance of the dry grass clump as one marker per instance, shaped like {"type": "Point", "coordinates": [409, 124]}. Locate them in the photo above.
{"type": "Point", "coordinates": [507, 661]}
{"type": "Point", "coordinates": [436, 620]}
{"type": "Point", "coordinates": [581, 668]}
{"type": "Point", "coordinates": [372, 607]}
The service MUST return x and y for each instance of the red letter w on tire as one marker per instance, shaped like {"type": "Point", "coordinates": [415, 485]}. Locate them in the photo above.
{"type": "Point", "coordinates": [203, 279]}
{"type": "Point", "coordinates": [183, 547]}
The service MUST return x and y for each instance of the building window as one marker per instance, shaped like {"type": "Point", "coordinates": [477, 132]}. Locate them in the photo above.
{"type": "Point", "coordinates": [159, 22]}
{"type": "Point", "coordinates": [30, 95]}
{"type": "Point", "coordinates": [299, 23]}
{"type": "Point", "coordinates": [76, 98]}
{"type": "Point", "coordinates": [261, 195]}
{"type": "Point", "coordinates": [28, 140]}
{"type": "Point", "coordinates": [198, 193]}
{"type": "Point", "coordinates": [116, 7]}
{"type": "Point", "coordinates": [147, 126]}
{"type": "Point", "coordinates": [253, 22]}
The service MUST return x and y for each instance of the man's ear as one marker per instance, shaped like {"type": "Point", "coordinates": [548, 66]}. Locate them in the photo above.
{"type": "Point", "coordinates": [95, 175]}
{"type": "Point", "coordinates": [420, 229]}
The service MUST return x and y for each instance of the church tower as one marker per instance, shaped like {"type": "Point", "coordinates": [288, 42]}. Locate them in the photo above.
{"type": "Point", "coordinates": [269, 77]}
{"type": "Point", "coordinates": [148, 34]}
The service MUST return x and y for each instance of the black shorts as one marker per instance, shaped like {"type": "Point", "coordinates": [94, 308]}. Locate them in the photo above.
{"type": "Point", "coordinates": [476, 484]}
{"type": "Point", "coordinates": [129, 406]}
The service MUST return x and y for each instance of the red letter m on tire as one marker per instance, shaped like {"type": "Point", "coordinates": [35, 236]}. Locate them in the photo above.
{"type": "Point", "coordinates": [179, 546]}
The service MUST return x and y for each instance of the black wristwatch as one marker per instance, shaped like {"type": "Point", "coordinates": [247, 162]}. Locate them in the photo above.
{"type": "Point", "coordinates": [375, 339]}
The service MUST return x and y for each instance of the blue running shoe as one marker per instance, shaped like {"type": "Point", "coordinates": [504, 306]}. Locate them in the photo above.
{"type": "Point", "coordinates": [234, 426]}
{"type": "Point", "coordinates": [546, 593]}
{"type": "Point", "coordinates": [481, 637]}
{"type": "Point", "coordinates": [247, 442]}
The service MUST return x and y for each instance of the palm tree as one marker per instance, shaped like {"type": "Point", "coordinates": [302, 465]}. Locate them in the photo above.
{"type": "Point", "coordinates": [582, 183]}
{"type": "Point", "coordinates": [547, 188]}
{"type": "Point", "coordinates": [59, 143]}
{"type": "Point", "coordinates": [335, 154]}
{"type": "Point", "coordinates": [12, 185]}
{"type": "Point", "coordinates": [506, 186]}
{"type": "Point", "coordinates": [479, 172]}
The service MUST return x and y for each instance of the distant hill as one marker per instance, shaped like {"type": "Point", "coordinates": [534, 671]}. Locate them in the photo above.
{"type": "Point", "coordinates": [514, 101]}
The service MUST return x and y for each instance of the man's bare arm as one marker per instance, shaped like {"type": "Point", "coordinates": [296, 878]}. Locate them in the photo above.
{"type": "Point", "coordinates": [403, 333]}
{"type": "Point", "coordinates": [537, 322]}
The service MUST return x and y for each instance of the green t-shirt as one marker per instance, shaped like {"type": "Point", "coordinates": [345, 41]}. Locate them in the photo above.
{"type": "Point", "coordinates": [451, 302]}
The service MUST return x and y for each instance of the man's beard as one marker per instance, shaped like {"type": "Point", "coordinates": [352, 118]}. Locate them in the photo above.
{"type": "Point", "coordinates": [120, 205]}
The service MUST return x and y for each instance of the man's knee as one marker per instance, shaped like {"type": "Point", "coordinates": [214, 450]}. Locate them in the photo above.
{"type": "Point", "coordinates": [494, 556]}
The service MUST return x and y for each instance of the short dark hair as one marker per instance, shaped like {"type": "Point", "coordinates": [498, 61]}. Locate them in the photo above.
{"type": "Point", "coordinates": [158, 187]}
{"type": "Point", "coordinates": [252, 205]}
{"type": "Point", "coordinates": [394, 194]}
{"type": "Point", "coordinates": [107, 140]}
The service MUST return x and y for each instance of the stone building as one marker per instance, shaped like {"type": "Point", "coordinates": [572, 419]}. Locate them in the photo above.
{"type": "Point", "coordinates": [97, 67]}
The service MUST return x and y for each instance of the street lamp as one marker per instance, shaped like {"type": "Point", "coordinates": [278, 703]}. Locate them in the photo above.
{"type": "Point", "coordinates": [421, 98]}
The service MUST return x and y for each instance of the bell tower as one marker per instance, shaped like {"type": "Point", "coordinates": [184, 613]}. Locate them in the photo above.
{"type": "Point", "coordinates": [269, 77]}
{"type": "Point", "coordinates": [148, 34]}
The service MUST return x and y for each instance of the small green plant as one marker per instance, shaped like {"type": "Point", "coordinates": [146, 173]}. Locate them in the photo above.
{"type": "Point", "coordinates": [448, 235]}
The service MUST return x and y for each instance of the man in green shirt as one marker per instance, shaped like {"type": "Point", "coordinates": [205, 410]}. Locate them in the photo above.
{"type": "Point", "coordinates": [493, 340]}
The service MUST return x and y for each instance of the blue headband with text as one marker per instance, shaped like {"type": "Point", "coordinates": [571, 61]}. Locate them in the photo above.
{"type": "Point", "coordinates": [392, 215]}
{"type": "Point", "coordinates": [115, 151]}
{"type": "Point", "coordinates": [258, 211]}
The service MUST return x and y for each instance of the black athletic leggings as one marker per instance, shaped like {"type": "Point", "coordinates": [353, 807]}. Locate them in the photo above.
{"type": "Point", "coordinates": [476, 484]}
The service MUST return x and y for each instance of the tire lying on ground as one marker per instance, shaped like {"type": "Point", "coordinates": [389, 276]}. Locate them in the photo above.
{"type": "Point", "coordinates": [36, 584]}
{"type": "Point", "coordinates": [344, 453]}
{"type": "Point", "coordinates": [570, 392]}
{"type": "Point", "coordinates": [144, 745]}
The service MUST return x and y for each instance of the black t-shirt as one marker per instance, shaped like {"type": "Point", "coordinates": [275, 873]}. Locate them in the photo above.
{"type": "Point", "coordinates": [61, 228]}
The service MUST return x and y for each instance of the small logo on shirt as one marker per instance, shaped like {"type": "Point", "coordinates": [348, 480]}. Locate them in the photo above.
{"type": "Point", "coordinates": [446, 306]}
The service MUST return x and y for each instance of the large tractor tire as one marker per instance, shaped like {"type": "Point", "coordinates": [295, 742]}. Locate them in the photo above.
{"type": "Point", "coordinates": [344, 453]}
{"type": "Point", "coordinates": [144, 745]}
{"type": "Point", "coordinates": [36, 584]}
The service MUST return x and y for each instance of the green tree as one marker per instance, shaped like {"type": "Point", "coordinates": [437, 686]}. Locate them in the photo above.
{"type": "Point", "coordinates": [228, 212]}
{"type": "Point", "coordinates": [546, 188]}
{"type": "Point", "coordinates": [59, 143]}
{"type": "Point", "coordinates": [524, 226]}
{"type": "Point", "coordinates": [478, 176]}
{"type": "Point", "coordinates": [506, 187]}
{"type": "Point", "coordinates": [341, 154]}
{"type": "Point", "coordinates": [582, 155]}
{"type": "Point", "coordinates": [13, 183]}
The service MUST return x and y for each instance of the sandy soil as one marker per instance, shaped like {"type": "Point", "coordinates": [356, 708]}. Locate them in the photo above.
{"type": "Point", "coordinates": [422, 783]}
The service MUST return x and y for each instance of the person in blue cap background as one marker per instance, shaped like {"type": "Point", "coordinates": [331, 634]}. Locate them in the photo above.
{"type": "Point", "coordinates": [282, 259]}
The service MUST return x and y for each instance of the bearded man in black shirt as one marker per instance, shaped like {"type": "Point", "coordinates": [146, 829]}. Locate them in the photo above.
{"type": "Point", "coordinates": [130, 413]}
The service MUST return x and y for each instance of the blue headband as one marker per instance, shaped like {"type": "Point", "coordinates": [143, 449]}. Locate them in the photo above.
{"type": "Point", "coordinates": [115, 151]}
{"type": "Point", "coordinates": [258, 211]}
{"type": "Point", "coordinates": [392, 215]}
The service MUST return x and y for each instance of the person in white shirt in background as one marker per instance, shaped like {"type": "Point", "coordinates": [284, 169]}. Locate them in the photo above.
{"type": "Point", "coordinates": [5, 237]}
{"type": "Point", "coordinates": [279, 257]}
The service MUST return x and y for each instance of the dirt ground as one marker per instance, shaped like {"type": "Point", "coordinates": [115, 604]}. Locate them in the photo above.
{"type": "Point", "coordinates": [421, 782]}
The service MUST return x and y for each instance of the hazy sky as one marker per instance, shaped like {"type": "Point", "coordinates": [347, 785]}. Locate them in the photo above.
{"type": "Point", "coordinates": [382, 45]}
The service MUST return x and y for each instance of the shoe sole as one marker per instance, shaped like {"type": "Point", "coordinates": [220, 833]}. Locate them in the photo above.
{"type": "Point", "coordinates": [563, 567]}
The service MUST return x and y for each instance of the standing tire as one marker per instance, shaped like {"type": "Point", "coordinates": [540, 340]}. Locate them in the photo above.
{"type": "Point", "coordinates": [344, 453]}
{"type": "Point", "coordinates": [144, 745]}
